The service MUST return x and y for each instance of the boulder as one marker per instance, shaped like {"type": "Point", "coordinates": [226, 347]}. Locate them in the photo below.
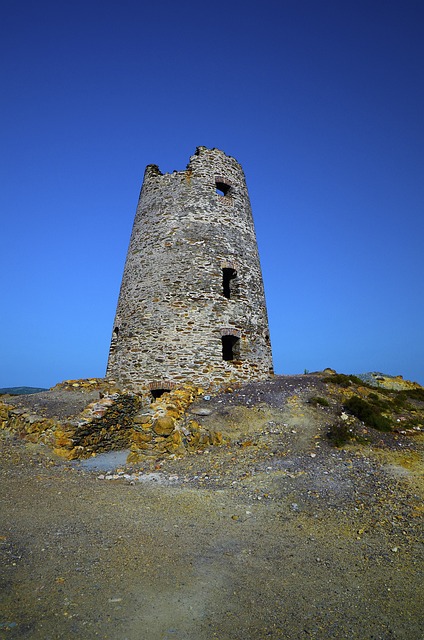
{"type": "Point", "coordinates": [163, 426]}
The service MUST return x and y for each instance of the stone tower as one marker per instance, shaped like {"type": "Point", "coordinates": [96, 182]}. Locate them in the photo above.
{"type": "Point", "coordinates": [192, 305]}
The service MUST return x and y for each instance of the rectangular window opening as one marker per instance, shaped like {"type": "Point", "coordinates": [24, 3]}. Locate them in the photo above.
{"type": "Point", "coordinates": [230, 348]}
{"type": "Point", "coordinates": [229, 288]}
{"type": "Point", "coordinates": [114, 340]}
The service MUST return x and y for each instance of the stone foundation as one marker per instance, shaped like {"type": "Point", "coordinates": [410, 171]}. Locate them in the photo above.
{"type": "Point", "coordinates": [116, 421]}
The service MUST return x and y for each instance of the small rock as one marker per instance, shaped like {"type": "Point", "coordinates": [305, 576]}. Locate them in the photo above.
{"type": "Point", "coordinates": [201, 411]}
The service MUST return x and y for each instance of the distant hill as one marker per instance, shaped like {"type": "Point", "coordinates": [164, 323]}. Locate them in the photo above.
{"type": "Point", "coordinates": [20, 391]}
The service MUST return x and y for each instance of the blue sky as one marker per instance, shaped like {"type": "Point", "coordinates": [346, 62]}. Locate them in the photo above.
{"type": "Point", "coordinates": [321, 102]}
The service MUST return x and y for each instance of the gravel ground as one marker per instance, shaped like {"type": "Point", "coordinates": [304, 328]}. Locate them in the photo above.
{"type": "Point", "coordinates": [276, 535]}
{"type": "Point", "coordinates": [54, 403]}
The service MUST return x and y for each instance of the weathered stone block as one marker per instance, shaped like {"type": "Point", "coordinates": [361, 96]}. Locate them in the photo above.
{"type": "Point", "coordinates": [140, 438]}
{"type": "Point", "coordinates": [163, 426]}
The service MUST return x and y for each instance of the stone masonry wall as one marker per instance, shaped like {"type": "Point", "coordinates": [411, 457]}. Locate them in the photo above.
{"type": "Point", "coordinates": [192, 305]}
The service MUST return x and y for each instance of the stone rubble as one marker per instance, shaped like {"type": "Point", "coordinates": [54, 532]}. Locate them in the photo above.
{"type": "Point", "coordinates": [79, 419]}
{"type": "Point", "coordinates": [118, 420]}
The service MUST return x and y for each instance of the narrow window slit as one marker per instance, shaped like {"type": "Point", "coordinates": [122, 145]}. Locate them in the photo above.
{"type": "Point", "coordinates": [228, 277]}
{"type": "Point", "coordinates": [114, 340]}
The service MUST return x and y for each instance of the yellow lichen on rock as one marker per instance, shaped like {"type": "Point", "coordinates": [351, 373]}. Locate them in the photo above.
{"type": "Point", "coordinates": [164, 426]}
{"type": "Point", "coordinates": [5, 410]}
{"type": "Point", "coordinates": [397, 383]}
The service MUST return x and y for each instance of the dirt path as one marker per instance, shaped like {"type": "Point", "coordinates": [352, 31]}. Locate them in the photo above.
{"type": "Point", "coordinates": [278, 535]}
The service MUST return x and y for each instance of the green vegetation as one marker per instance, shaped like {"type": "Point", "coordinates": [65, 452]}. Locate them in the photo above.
{"type": "Point", "coordinates": [379, 403]}
{"type": "Point", "coordinates": [412, 423]}
{"type": "Point", "coordinates": [19, 391]}
{"type": "Point", "coordinates": [317, 400]}
{"type": "Point", "coordinates": [411, 394]}
{"type": "Point", "coordinates": [383, 409]}
{"type": "Point", "coordinates": [368, 412]}
{"type": "Point", "coordinates": [343, 380]}
{"type": "Point", "coordinates": [340, 433]}
{"type": "Point", "coordinates": [404, 400]}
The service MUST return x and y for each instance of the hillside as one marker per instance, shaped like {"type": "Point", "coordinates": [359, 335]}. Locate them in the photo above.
{"type": "Point", "coordinates": [19, 391]}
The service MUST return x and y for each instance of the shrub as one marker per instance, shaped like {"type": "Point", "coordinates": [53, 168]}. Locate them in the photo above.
{"type": "Point", "coordinates": [378, 402]}
{"type": "Point", "coordinates": [410, 394]}
{"type": "Point", "coordinates": [317, 400]}
{"type": "Point", "coordinates": [343, 380]}
{"type": "Point", "coordinates": [340, 433]}
{"type": "Point", "coordinates": [416, 394]}
{"type": "Point", "coordinates": [369, 414]}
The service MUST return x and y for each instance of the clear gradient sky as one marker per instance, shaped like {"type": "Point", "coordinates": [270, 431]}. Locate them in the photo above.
{"type": "Point", "coordinates": [322, 103]}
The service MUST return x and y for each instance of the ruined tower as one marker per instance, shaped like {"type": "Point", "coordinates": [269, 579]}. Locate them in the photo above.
{"type": "Point", "coordinates": [192, 305]}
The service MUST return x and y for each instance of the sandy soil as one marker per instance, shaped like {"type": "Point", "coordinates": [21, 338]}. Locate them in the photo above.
{"type": "Point", "coordinates": [277, 535]}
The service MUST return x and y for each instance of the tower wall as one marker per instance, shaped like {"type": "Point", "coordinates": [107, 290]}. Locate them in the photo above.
{"type": "Point", "coordinates": [192, 305]}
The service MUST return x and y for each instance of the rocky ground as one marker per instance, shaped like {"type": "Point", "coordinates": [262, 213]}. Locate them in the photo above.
{"type": "Point", "coordinates": [276, 533]}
